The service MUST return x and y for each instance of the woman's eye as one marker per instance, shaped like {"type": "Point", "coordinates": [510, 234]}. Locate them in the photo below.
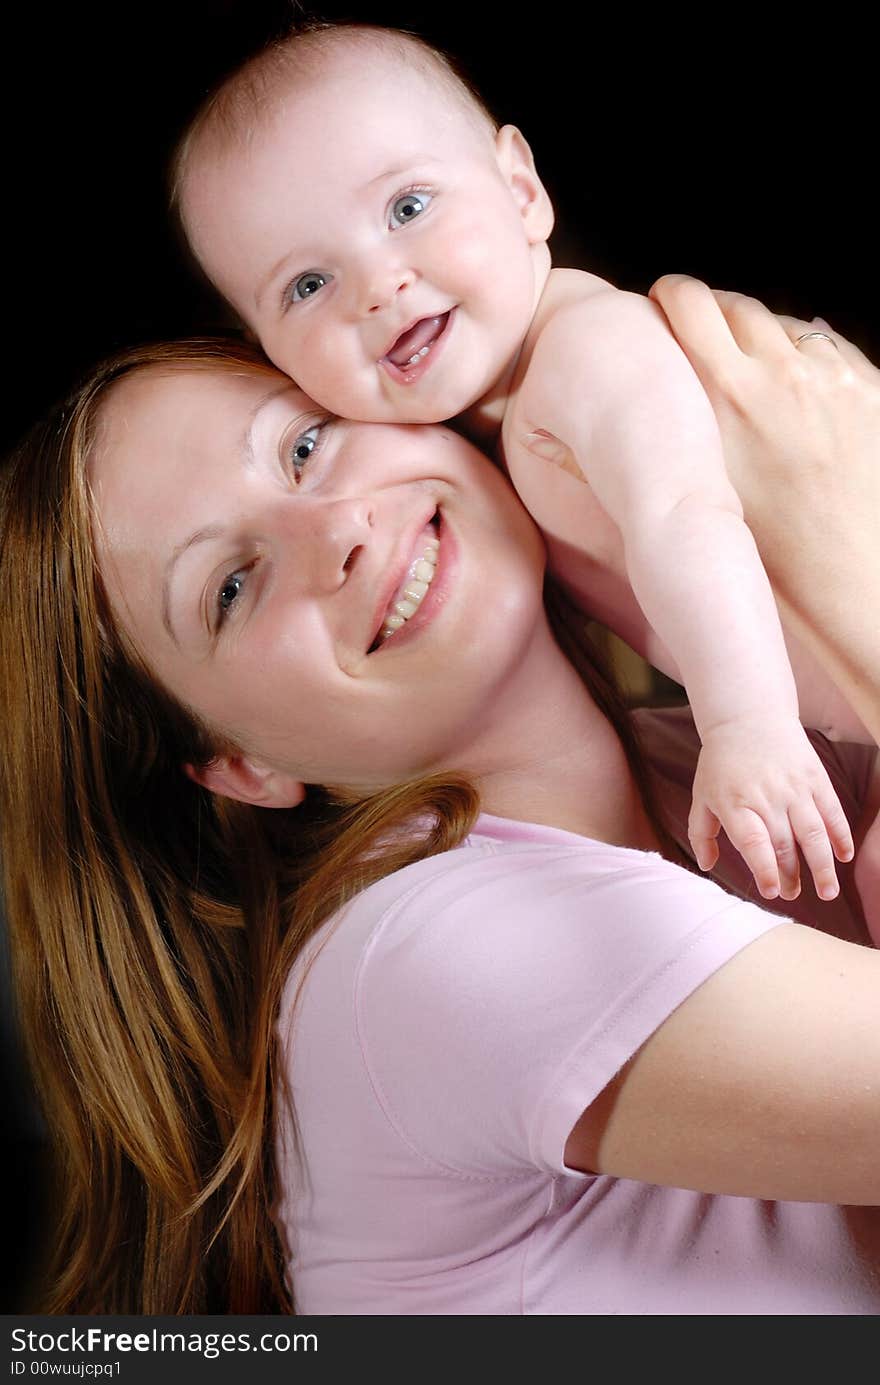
{"type": "Point", "coordinates": [230, 590]}
{"type": "Point", "coordinates": [407, 207]}
{"type": "Point", "coordinates": [302, 447]}
{"type": "Point", "coordinates": [307, 285]}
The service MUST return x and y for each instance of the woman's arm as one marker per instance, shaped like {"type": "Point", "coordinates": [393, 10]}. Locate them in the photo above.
{"type": "Point", "coordinates": [764, 1083]}
{"type": "Point", "coordinates": [801, 430]}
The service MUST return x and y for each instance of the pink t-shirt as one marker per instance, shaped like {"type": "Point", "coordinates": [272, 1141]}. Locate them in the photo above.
{"type": "Point", "coordinates": [457, 1019]}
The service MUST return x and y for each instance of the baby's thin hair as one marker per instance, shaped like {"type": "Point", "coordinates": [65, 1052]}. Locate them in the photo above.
{"type": "Point", "coordinates": [241, 105]}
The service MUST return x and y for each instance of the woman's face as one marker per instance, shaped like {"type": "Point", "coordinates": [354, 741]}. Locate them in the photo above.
{"type": "Point", "coordinates": [253, 550]}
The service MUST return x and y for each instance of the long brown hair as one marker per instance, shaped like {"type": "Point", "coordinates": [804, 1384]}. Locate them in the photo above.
{"type": "Point", "coordinates": [153, 925]}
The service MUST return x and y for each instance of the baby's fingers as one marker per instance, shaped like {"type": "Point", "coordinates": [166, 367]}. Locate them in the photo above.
{"type": "Point", "coordinates": [771, 857]}
{"type": "Point", "coordinates": [812, 837]}
{"type": "Point", "coordinates": [703, 829]}
{"type": "Point", "coordinates": [823, 832]}
{"type": "Point", "coordinates": [836, 823]}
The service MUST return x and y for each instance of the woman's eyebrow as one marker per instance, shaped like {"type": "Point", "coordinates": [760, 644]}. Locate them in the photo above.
{"type": "Point", "coordinates": [205, 535]}
{"type": "Point", "coordinates": [244, 450]}
{"type": "Point", "coordinates": [245, 444]}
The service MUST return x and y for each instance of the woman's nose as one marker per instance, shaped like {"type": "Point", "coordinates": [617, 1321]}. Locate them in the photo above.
{"type": "Point", "coordinates": [327, 538]}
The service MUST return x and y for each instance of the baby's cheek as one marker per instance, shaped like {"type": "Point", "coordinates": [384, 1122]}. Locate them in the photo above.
{"type": "Point", "coordinates": [283, 353]}
{"type": "Point", "coordinates": [475, 252]}
{"type": "Point", "coordinates": [495, 272]}
{"type": "Point", "coordinates": [486, 236]}
{"type": "Point", "coordinates": [338, 383]}
{"type": "Point", "coordinates": [315, 368]}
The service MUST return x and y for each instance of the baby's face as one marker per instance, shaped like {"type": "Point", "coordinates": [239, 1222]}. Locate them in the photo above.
{"type": "Point", "coordinates": [372, 237]}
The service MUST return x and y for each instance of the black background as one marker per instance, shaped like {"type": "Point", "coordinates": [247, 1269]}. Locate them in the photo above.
{"type": "Point", "coordinates": [710, 145]}
{"type": "Point", "coordinates": [719, 147]}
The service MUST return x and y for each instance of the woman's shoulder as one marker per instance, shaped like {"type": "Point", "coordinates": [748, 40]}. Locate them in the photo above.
{"type": "Point", "coordinates": [498, 966]}
{"type": "Point", "coordinates": [507, 861]}
{"type": "Point", "coordinates": [537, 896]}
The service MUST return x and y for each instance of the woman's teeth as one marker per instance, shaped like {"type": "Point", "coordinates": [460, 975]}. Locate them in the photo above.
{"type": "Point", "coordinates": [418, 580]}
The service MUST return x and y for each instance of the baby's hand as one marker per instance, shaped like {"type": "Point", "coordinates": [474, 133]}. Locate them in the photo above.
{"type": "Point", "coordinates": [762, 781]}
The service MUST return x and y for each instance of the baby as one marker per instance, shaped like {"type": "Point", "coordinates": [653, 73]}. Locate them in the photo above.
{"type": "Point", "coordinates": [387, 243]}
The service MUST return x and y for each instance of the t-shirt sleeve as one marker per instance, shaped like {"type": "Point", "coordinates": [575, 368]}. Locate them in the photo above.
{"type": "Point", "coordinates": [496, 1003]}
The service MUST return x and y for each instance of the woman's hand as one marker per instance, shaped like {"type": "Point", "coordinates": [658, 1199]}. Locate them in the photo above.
{"type": "Point", "coordinates": [801, 431]}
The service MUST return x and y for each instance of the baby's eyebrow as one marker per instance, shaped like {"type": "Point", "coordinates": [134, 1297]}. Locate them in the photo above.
{"type": "Point", "coordinates": [408, 165]}
{"type": "Point", "coordinates": [396, 172]}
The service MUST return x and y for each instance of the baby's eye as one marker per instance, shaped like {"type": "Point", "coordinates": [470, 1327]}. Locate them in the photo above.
{"type": "Point", "coordinates": [407, 207]}
{"type": "Point", "coordinates": [302, 447]}
{"type": "Point", "coordinates": [307, 285]}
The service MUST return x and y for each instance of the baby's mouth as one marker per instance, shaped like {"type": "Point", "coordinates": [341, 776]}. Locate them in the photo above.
{"type": "Point", "coordinates": [415, 343]}
{"type": "Point", "coordinates": [414, 587]}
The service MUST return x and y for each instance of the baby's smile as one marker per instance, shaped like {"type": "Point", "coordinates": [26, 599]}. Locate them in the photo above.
{"type": "Point", "coordinates": [415, 348]}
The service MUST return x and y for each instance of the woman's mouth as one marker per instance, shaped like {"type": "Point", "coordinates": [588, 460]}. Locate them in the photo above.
{"type": "Point", "coordinates": [412, 591]}
{"type": "Point", "coordinates": [410, 355]}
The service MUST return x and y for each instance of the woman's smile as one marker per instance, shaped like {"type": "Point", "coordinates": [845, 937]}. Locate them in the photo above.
{"type": "Point", "coordinates": [320, 545]}
{"type": "Point", "coordinates": [410, 608]}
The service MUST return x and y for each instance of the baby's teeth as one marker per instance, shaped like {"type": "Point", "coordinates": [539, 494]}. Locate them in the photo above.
{"type": "Point", "coordinates": [392, 623]}
{"type": "Point", "coordinates": [406, 608]}
{"type": "Point", "coordinates": [415, 590]}
{"type": "Point", "coordinates": [424, 351]}
{"type": "Point", "coordinates": [423, 570]}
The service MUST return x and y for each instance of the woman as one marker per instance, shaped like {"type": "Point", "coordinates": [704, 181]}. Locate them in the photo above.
{"type": "Point", "coordinates": [519, 1040]}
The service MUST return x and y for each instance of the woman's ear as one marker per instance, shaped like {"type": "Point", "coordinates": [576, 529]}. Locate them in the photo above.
{"type": "Point", "coordinates": [235, 776]}
{"type": "Point", "coordinates": [517, 166]}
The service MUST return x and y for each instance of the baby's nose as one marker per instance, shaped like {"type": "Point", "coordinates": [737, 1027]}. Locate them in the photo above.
{"type": "Point", "coordinates": [384, 285]}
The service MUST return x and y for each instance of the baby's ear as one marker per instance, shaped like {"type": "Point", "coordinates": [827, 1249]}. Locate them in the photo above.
{"type": "Point", "coordinates": [517, 164]}
{"type": "Point", "coordinates": [236, 776]}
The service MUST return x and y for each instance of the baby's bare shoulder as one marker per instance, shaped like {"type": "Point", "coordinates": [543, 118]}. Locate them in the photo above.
{"type": "Point", "coordinates": [588, 342]}
{"type": "Point", "coordinates": [566, 286]}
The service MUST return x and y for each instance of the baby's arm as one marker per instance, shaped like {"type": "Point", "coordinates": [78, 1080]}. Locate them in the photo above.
{"type": "Point", "coordinates": [608, 380]}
